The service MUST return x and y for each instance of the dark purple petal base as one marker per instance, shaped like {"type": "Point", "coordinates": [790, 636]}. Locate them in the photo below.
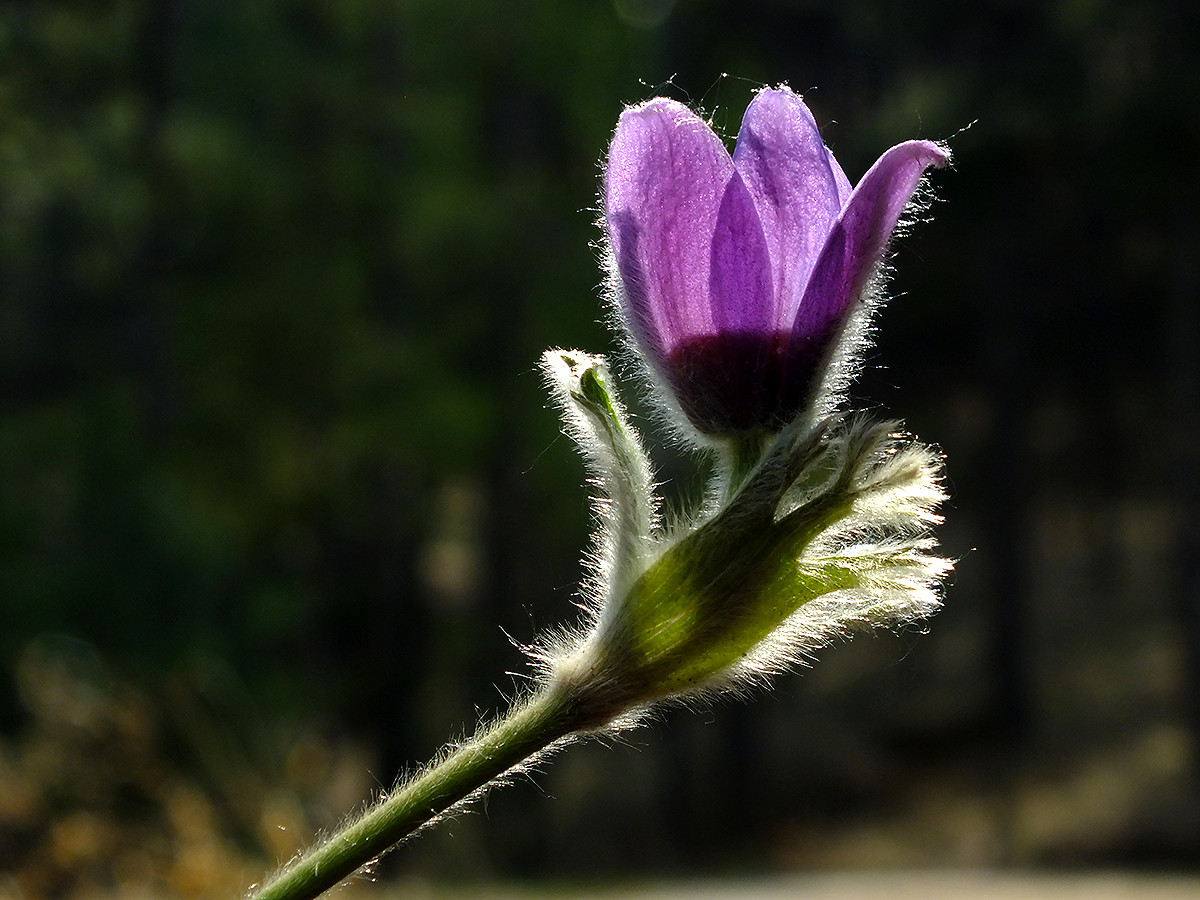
{"type": "Point", "coordinates": [742, 381]}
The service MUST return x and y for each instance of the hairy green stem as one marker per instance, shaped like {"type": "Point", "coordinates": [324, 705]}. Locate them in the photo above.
{"type": "Point", "coordinates": [528, 729]}
{"type": "Point", "coordinates": [739, 459]}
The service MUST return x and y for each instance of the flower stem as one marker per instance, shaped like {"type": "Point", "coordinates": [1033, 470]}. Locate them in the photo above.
{"type": "Point", "coordinates": [526, 731]}
{"type": "Point", "coordinates": [739, 459]}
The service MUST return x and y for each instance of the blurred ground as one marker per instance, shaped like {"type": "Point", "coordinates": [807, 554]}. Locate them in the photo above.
{"type": "Point", "coordinates": [860, 886]}
{"type": "Point", "coordinates": [120, 789]}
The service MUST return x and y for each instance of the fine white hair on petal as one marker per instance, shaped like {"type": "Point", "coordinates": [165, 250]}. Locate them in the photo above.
{"type": "Point", "coordinates": [846, 354]}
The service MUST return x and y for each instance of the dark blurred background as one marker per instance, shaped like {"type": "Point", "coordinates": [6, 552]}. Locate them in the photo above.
{"type": "Point", "coordinates": [278, 481]}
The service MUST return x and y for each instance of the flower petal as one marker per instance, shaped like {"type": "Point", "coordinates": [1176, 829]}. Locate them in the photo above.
{"type": "Point", "coordinates": [856, 244]}
{"type": "Point", "coordinates": [844, 187]}
{"type": "Point", "coordinates": [797, 187]}
{"type": "Point", "coordinates": [740, 275]}
{"type": "Point", "coordinates": [663, 184]}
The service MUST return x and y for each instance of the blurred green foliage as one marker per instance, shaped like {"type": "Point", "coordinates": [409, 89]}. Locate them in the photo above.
{"type": "Point", "coordinates": [268, 271]}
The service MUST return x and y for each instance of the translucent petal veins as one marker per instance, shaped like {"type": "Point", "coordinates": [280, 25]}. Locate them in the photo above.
{"type": "Point", "coordinates": [860, 235]}
{"type": "Point", "coordinates": [791, 176]}
{"type": "Point", "coordinates": [665, 178]}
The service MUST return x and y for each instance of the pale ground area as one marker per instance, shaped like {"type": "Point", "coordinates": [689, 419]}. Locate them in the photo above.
{"type": "Point", "coordinates": [969, 885]}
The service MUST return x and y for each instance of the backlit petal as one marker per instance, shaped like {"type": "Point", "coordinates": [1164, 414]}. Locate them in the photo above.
{"type": "Point", "coordinates": [858, 240]}
{"type": "Point", "coordinates": [740, 278]}
{"type": "Point", "coordinates": [666, 175]}
{"type": "Point", "coordinates": [795, 185]}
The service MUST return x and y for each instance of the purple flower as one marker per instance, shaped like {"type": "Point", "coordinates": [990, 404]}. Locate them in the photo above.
{"type": "Point", "coordinates": [737, 274]}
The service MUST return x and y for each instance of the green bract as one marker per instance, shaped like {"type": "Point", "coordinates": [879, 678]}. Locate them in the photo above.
{"type": "Point", "coordinates": [827, 531]}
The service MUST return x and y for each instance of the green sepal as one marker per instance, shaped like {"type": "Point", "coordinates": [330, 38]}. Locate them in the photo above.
{"type": "Point", "coordinates": [712, 598]}
{"type": "Point", "coordinates": [626, 506]}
